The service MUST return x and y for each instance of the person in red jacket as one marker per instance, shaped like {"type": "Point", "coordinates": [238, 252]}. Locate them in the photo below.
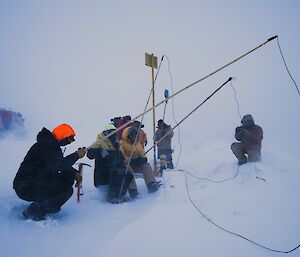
{"type": "Point", "coordinates": [250, 136]}
{"type": "Point", "coordinates": [121, 122]}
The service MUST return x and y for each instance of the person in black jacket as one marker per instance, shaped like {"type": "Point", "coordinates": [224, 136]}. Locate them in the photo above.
{"type": "Point", "coordinates": [109, 165]}
{"type": "Point", "coordinates": [45, 176]}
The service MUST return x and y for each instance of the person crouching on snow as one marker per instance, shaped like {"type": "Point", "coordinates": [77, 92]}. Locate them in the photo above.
{"type": "Point", "coordinates": [163, 137]}
{"type": "Point", "coordinates": [135, 157]}
{"type": "Point", "coordinates": [45, 176]}
{"type": "Point", "coordinates": [109, 165]}
{"type": "Point", "coordinates": [250, 137]}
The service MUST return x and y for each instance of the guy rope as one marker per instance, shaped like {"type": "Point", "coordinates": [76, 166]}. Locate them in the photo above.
{"type": "Point", "coordinates": [198, 106]}
{"type": "Point", "coordinates": [192, 84]}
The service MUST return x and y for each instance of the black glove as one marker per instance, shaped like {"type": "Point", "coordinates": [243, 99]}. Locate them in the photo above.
{"type": "Point", "coordinates": [133, 162]}
{"type": "Point", "coordinates": [138, 161]}
{"type": "Point", "coordinates": [143, 160]}
{"type": "Point", "coordinates": [239, 129]}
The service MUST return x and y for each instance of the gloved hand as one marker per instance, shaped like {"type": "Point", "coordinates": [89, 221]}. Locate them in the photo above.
{"type": "Point", "coordinates": [134, 162]}
{"type": "Point", "coordinates": [146, 142]}
{"type": "Point", "coordinates": [138, 161]}
{"type": "Point", "coordinates": [143, 160]}
{"type": "Point", "coordinates": [81, 152]}
{"type": "Point", "coordinates": [78, 177]}
{"type": "Point", "coordinates": [239, 130]}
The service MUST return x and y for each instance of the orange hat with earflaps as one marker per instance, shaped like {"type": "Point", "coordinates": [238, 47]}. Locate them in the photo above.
{"type": "Point", "coordinates": [63, 131]}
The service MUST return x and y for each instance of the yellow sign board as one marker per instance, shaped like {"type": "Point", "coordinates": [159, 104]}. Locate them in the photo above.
{"type": "Point", "coordinates": [151, 60]}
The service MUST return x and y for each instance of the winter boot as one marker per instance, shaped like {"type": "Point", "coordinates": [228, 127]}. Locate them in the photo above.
{"type": "Point", "coordinates": [163, 163]}
{"type": "Point", "coordinates": [34, 212]}
{"type": "Point", "coordinates": [118, 200]}
{"type": "Point", "coordinates": [115, 198]}
{"type": "Point", "coordinates": [153, 187]}
{"type": "Point", "coordinates": [170, 165]}
{"type": "Point", "coordinates": [241, 162]}
{"type": "Point", "coordinates": [134, 194]}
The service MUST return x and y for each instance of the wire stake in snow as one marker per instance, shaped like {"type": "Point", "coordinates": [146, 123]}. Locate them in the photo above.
{"type": "Point", "coordinates": [261, 178]}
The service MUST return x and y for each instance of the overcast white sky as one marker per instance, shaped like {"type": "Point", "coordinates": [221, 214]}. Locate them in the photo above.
{"type": "Point", "coordinates": [82, 62]}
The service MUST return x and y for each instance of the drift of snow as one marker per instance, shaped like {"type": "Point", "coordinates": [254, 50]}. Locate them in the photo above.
{"type": "Point", "coordinates": [258, 204]}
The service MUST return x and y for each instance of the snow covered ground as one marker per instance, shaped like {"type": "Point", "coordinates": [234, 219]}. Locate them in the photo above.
{"type": "Point", "coordinates": [261, 203]}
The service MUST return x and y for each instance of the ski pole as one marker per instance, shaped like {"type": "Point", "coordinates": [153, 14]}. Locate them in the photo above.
{"type": "Point", "coordinates": [79, 183]}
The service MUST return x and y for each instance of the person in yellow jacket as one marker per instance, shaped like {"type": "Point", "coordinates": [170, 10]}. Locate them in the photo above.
{"type": "Point", "coordinates": [109, 165]}
{"type": "Point", "coordinates": [135, 157]}
{"type": "Point", "coordinates": [142, 134]}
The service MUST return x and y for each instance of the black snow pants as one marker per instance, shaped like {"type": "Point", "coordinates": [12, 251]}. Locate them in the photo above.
{"type": "Point", "coordinates": [119, 182]}
{"type": "Point", "coordinates": [50, 193]}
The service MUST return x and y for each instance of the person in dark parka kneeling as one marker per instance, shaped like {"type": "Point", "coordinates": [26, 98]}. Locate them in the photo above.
{"type": "Point", "coordinates": [45, 176]}
{"type": "Point", "coordinates": [109, 165]}
{"type": "Point", "coordinates": [250, 136]}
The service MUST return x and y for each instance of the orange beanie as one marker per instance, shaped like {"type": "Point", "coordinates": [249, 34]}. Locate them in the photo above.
{"type": "Point", "coordinates": [63, 131]}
